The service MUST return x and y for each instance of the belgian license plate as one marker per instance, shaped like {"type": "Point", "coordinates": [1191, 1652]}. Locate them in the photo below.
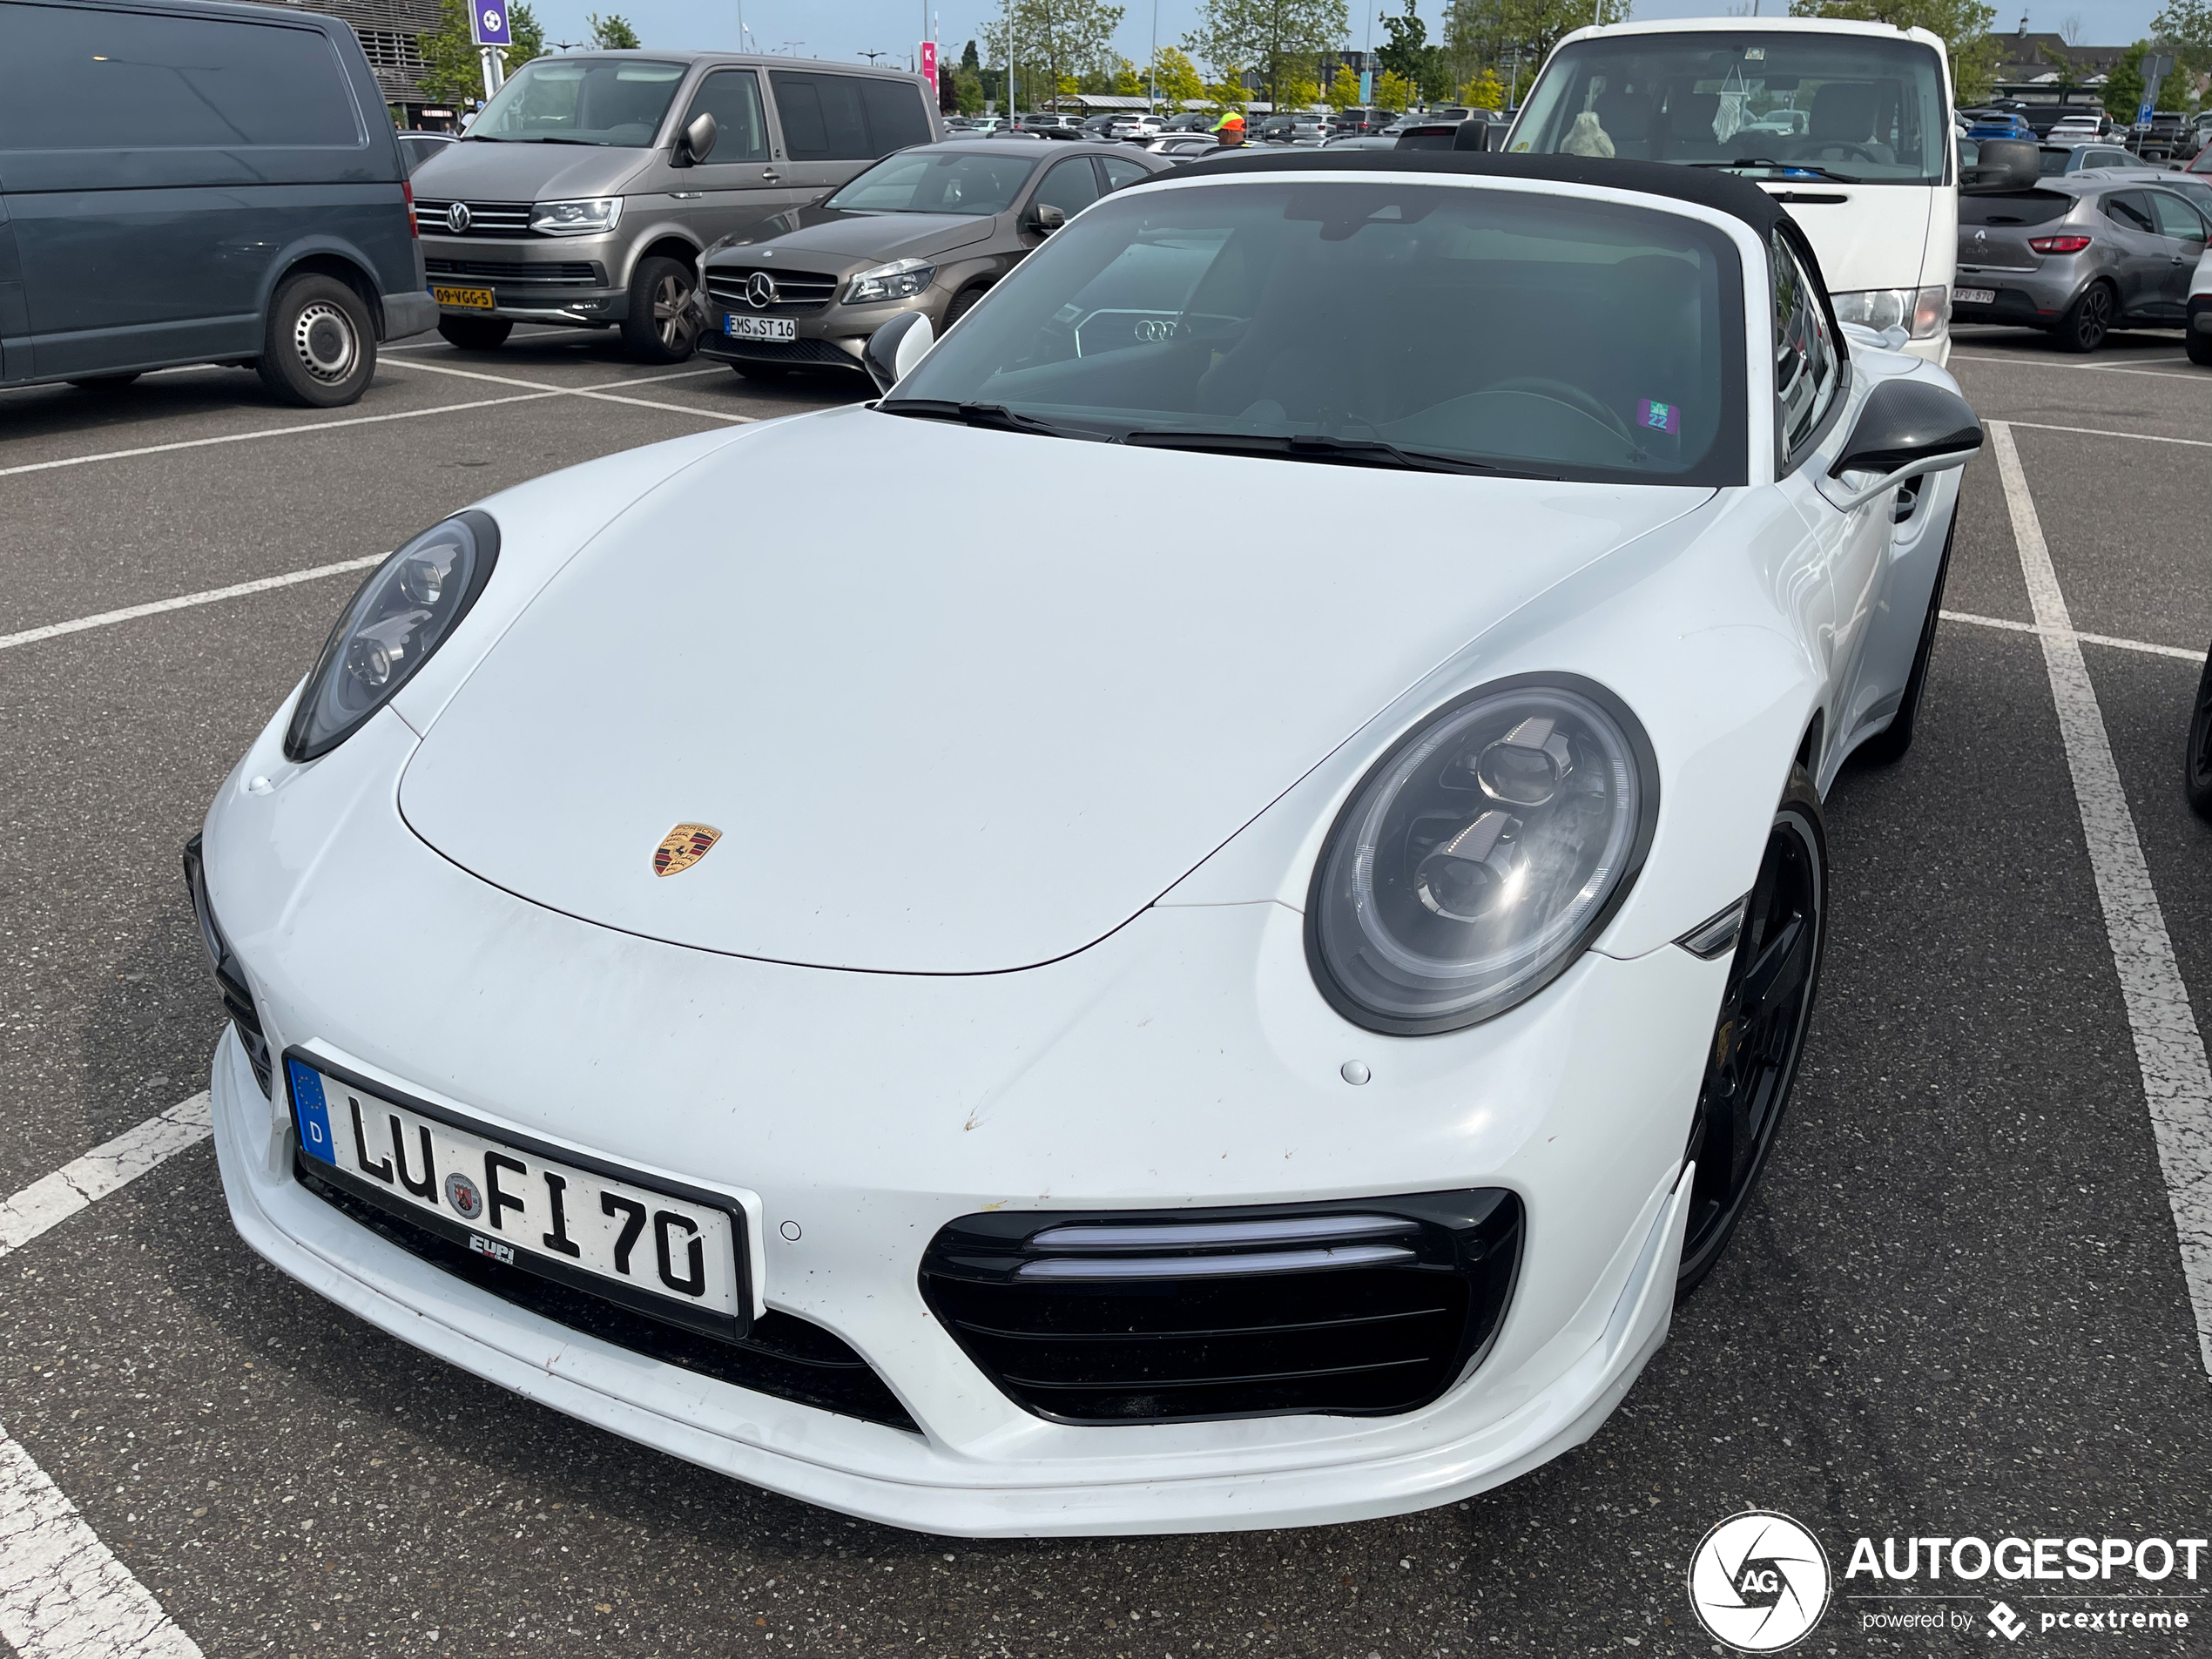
{"type": "Point", "coordinates": [758, 328]}
{"type": "Point", "coordinates": [1974, 296]}
{"type": "Point", "coordinates": [676, 1256]}
{"type": "Point", "coordinates": [462, 299]}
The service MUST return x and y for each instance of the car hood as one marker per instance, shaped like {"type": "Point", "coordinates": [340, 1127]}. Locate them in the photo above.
{"type": "Point", "coordinates": [493, 170]}
{"type": "Point", "coordinates": [969, 725]}
{"type": "Point", "coordinates": [873, 237]}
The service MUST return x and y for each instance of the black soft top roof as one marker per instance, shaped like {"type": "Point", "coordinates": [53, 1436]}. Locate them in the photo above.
{"type": "Point", "coordinates": [1707, 187]}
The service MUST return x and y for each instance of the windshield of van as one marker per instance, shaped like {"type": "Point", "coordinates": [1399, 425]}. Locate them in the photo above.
{"type": "Point", "coordinates": [1375, 322]}
{"type": "Point", "coordinates": [1850, 107]}
{"type": "Point", "coordinates": [936, 181]}
{"type": "Point", "coordinates": [581, 100]}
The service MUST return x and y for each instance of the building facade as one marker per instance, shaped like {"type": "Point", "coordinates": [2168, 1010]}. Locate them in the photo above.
{"type": "Point", "coordinates": [390, 33]}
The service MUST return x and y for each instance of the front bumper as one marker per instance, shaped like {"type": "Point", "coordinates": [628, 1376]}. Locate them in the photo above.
{"type": "Point", "coordinates": [572, 281]}
{"type": "Point", "coordinates": [407, 313]}
{"type": "Point", "coordinates": [1185, 1061]}
{"type": "Point", "coordinates": [833, 337]}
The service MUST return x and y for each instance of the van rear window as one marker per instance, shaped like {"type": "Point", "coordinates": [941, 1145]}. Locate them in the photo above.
{"type": "Point", "coordinates": [847, 117]}
{"type": "Point", "coordinates": [73, 79]}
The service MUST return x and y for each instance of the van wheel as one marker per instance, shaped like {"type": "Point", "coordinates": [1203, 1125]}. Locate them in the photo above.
{"type": "Point", "coordinates": [661, 328]}
{"type": "Point", "coordinates": [475, 333]}
{"type": "Point", "coordinates": [106, 383]}
{"type": "Point", "coordinates": [319, 348]}
{"type": "Point", "coordinates": [2087, 320]}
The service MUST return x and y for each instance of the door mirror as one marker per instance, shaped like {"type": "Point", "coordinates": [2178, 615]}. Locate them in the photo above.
{"type": "Point", "coordinates": [695, 143]}
{"type": "Point", "coordinates": [893, 349]}
{"type": "Point", "coordinates": [1045, 219]}
{"type": "Point", "coordinates": [1472, 135]}
{"type": "Point", "coordinates": [2002, 165]}
{"type": "Point", "coordinates": [1904, 429]}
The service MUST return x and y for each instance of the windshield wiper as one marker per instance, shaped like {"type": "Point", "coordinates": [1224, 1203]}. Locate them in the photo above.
{"type": "Point", "coordinates": [996, 416]}
{"type": "Point", "coordinates": [1313, 446]}
{"type": "Point", "coordinates": [1785, 166]}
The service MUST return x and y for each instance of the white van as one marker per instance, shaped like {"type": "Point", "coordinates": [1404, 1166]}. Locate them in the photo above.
{"type": "Point", "coordinates": [1847, 123]}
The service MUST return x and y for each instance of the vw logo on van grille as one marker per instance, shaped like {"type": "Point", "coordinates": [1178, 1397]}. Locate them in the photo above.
{"type": "Point", "coordinates": [760, 291]}
{"type": "Point", "coordinates": [457, 217]}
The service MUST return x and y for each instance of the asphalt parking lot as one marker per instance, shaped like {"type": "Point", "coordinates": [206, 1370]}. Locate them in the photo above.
{"type": "Point", "coordinates": [1958, 1306]}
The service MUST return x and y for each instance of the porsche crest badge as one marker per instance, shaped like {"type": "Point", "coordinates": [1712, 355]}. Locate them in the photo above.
{"type": "Point", "coordinates": [684, 846]}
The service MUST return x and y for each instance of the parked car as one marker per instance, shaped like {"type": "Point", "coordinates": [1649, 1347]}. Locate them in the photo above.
{"type": "Point", "coordinates": [1135, 127]}
{"type": "Point", "coordinates": [1184, 147]}
{"type": "Point", "coordinates": [2077, 257]}
{"type": "Point", "coordinates": [1049, 123]}
{"type": "Point", "coordinates": [2169, 133]}
{"type": "Point", "coordinates": [585, 192]}
{"type": "Point", "coordinates": [1358, 120]}
{"type": "Point", "coordinates": [2000, 124]}
{"type": "Point", "coordinates": [415, 148]}
{"type": "Point", "coordinates": [1095, 127]}
{"type": "Point", "coordinates": [189, 182]}
{"type": "Point", "coordinates": [1276, 129]}
{"type": "Point", "coordinates": [2196, 338]}
{"type": "Point", "coordinates": [1190, 121]}
{"type": "Point", "coordinates": [927, 230]}
{"type": "Point", "coordinates": [2053, 161]}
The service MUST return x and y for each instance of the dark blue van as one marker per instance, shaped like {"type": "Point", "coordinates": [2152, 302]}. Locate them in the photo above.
{"type": "Point", "coordinates": [188, 182]}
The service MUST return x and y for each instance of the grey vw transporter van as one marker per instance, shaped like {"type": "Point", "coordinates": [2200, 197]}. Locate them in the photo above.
{"type": "Point", "coordinates": [586, 190]}
{"type": "Point", "coordinates": [184, 182]}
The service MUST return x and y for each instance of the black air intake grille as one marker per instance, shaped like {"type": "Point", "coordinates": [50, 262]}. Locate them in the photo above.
{"type": "Point", "coordinates": [1356, 1307]}
{"type": "Point", "coordinates": [798, 353]}
{"type": "Point", "coordinates": [573, 273]}
{"type": "Point", "coordinates": [230, 978]}
{"type": "Point", "coordinates": [783, 1355]}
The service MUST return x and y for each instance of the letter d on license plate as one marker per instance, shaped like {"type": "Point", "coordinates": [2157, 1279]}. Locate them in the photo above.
{"type": "Point", "coordinates": [659, 1246]}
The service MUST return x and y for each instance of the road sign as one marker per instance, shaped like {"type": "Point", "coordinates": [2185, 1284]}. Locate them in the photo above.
{"type": "Point", "coordinates": [487, 23]}
{"type": "Point", "coordinates": [929, 61]}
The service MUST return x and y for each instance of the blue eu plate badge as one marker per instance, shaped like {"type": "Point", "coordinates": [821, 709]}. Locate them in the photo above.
{"type": "Point", "coordinates": [309, 1111]}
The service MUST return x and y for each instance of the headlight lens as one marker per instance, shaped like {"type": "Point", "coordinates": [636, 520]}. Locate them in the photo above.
{"type": "Point", "coordinates": [593, 216]}
{"type": "Point", "coordinates": [1481, 856]}
{"type": "Point", "coordinates": [1921, 312]}
{"type": "Point", "coordinates": [901, 279]}
{"type": "Point", "coordinates": [402, 613]}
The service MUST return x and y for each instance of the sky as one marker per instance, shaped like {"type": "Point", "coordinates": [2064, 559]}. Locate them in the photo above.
{"type": "Point", "coordinates": [846, 28]}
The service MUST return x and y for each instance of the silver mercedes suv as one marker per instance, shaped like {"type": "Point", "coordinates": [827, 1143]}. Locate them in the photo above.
{"type": "Point", "coordinates": [585, 191]}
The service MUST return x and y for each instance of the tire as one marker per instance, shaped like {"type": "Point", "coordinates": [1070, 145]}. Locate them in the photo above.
{"type": "Point", "coordinates": [106, 383]}
{"type": "Point", "coordinates": [2199, 346]}
{"type": "Point", "coordinates": [662, 328]}
{"type": "Point", "coordinates": [475, 333]}
{"type": "Point", "coordinates": [319, 349]}
{"type": "Point", "coordinates": [2087, 320]}
{"type": "Point", "coordinates": [1887, 747]}
{"type": "Point", "coordinates": [2196, 764]}
{"type": "Point", "coordinates": [763, 372]}
{"type": "Point", "coordinates": [1760, 1034]}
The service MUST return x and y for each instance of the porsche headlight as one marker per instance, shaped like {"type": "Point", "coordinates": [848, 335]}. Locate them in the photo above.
{"type": "Point", "coordinates": [901, 279]}
{"type": "Point", "coordinates": [1481, 856]}
{"type": "Point", "coordinates": [401, 614]}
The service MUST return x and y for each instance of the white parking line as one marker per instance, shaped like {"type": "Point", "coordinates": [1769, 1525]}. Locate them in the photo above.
{"type": "Point", "coordinates": [63, 1594]}
{"type": "Point", "coordinates": [2177, 1084]}
{"type": "Point", "coordinates": [2106, 432]}
{"type": "Point", "coordinates": [596, 392]}
{"type": "Point", "coordinates": [2185, 654]}
{"type": "Point", "coordinates": [48, 1202]}
{"type": "Point", "coordinates": [2098, 369]}
{"type": "Point", "coordinates": [185, 602]}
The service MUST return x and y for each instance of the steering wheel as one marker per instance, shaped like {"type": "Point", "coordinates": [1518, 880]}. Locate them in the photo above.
{"type": "Point", "coordinates": [1574, 396]}
{"type": "Point", "coordinates": [1822, 147]}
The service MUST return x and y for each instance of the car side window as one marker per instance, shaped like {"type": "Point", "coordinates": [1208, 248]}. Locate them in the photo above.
{"type": "Point", "coordinates": [2128, 209]}
{"type": "Point", "coordinates": [732, 98]}
{"type": "Point", "coordinates": [1070, 187]}
{"type": "Point", "coordinates": [2175, 217]}
{"type": "Point", "coordinates": [86, 78]}
{"type": "Point", "coordinates": [1121, 174]}
{"type": "Point", "coordinates": [1806, 369]}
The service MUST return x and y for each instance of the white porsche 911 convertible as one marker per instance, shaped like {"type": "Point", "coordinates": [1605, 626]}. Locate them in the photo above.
{"type": "Point", "coordinates": [1199, 918]}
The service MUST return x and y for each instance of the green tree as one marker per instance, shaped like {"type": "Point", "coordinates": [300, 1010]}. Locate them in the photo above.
{"type": "Point", "coordinates": [1127, 82]}
{"type": "Point", "coordinates": [1055, 41]}
{"type": "Point", "coordinates": [453, 68]}
{"type": "Point", "coordinates": [1964, 26]}
{"type": "Point", "coordinates": [1394, 92]}
{"type": "Point", "coordinates": [1485, 91]}
{"type": "Point", "coordinates": [1229, 92]}
{"type": "Point", "coordinates": [2123, 88]}
{"type": "Point", "coordinates": [1403, 54]}
{"type": "Point", "coordinates": [1297, 89]}
{"type": "Point", "coordinates": [526, 39]}
{"type": "Point", "coordinates": [1518, 32]}
{"type": "Point", "coordinates": [612, 33]}
{"type": "Point", "coordinates": [1344, 89]}
{"type": "Point", "coordinates": [968, 60]}
{"type": "Point", "coordinates": [1269, 34]}
{"type": "Point", "coordinates": [1177, 78]}
{"type": "Point", "coordinates": [967, 92]}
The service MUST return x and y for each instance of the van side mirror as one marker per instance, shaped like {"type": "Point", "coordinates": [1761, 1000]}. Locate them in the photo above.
{"type": "Point", "coordinates": [2003, 164]}
{"type": "Point", "coordinates": [695, 143]}
{"type": "Point", "coordinates": [1906, 428]}
{"type": "Point", "coordinates": [1045, 219]}
{"type": "Point", "coordinates": [893, 349]}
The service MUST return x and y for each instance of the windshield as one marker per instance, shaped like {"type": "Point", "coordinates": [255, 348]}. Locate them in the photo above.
{"type": "Point", "coordinates": [1850, 106]}
{"type": "Point", "coordinates": [936, 181]}
{"type": "Point", "coordinates": [581, 100]}
{"type": "Point", "coordinates": [1469, 328]}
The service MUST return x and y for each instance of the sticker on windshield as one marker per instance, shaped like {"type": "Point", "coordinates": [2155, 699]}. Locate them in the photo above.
{"type": "Point", "coordinates": [1660, 417]}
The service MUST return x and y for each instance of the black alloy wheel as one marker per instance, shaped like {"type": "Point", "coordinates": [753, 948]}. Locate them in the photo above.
{"type": "Point", "coordinates": [2196, 765]}
{"type": "Point", "coordinates": [1761, 1032]}
{"type": "Point", "coordinates": [1889, 745]}
{"type": "Point", "coordinates": [2087, 320]}
{"type": "Point", "coordinates": [662, 326]}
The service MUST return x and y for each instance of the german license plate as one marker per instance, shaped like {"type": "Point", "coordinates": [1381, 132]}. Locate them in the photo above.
{"type": "Point", "coordinates": [677, 1255]}
{"type": "Point", "coordinates": [1974, 296]}
{"type": "Point", "coordinates": [462, 299]}
{"type": "Point", "coordinates": [758, 328]}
